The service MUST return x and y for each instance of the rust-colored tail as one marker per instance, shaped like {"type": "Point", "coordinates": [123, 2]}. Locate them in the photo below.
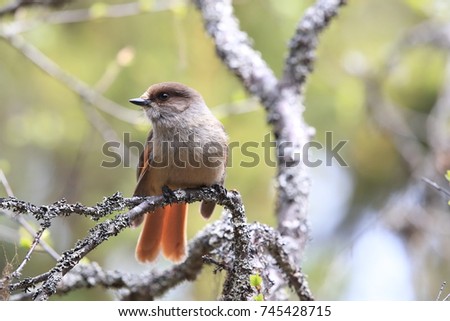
{"type": "Point", "coordinates": [147, 247]}
{"type": "Point", "coordinates": [173, 241]}
{"type": "Point", "coordinates": [165, 229]}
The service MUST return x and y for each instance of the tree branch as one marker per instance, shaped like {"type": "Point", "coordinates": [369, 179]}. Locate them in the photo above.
{"type": "Point", "coordinates": [237, 284]}
{"type": "Point", "coordinates": [215, 239]}
{"type": "Point", "coordinates": [291, 130]}
{"type": "Point", "coordinates": [234, 48]}
{"type": "Point", "coordinates": [302, 46]}
{"type": "Point", "coordinates": [47, 248]}
{"type": "Point", "coordinates": [150, 285]}
{"type": "Point", "coordinates": [281, 99]}
{"type": "Point", "coordinates": [17, 273]}
{"type": "Point", "coordinates": [89, 95]}
{"type": "Point", "coordinates": [274, 244]}
{"type": "Point", "coordinates": [13, 6]}
{"type": "Point", "coordinates": [436, 186]}
{"type": "Point", "coordinates": [105, 230]}
{"type": "Point", "coordinates": [109, 11]}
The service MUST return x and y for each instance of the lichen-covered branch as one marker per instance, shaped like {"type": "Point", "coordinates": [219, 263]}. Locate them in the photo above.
{"type": "Point", "coordinates": [237, 286]}
{"type": "Point", "coordinates": [302, 46]}
{"type": "Point", "coordinates": [274, 244]}
{"type": "Point", "coordinates": [291, 129]}
{"type": "Point", "coordinates": [144, 286]}
{"type": "Point", "coordinates": [228, 239]}
{"type": "Point", "coordinates": [150, 284]}
{"type": "Point", "coordinates": [109, 228]}
{"type": "Point", "coordinates": [234, 48]}
{"type": "Point", "coordinates": [282, 100]}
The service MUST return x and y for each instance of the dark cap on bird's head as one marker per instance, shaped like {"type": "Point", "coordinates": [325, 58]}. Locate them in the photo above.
{"type": "Point", "coordinates": [167, 93]}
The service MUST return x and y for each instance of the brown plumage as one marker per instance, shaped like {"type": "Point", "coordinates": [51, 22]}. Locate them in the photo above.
{"type": "Point", "coordinates": [177, 154]}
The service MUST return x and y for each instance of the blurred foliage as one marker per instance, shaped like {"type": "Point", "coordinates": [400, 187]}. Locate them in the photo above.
{"type": "Point", "coordinates": [49, 149]}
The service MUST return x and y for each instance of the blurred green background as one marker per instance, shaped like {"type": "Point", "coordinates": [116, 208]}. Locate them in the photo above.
{"type": "Point", "coordinates": [51, 140]}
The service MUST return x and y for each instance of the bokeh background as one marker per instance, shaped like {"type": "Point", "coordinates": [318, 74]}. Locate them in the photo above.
{"type": "Point", "coordinates": [378, 232]}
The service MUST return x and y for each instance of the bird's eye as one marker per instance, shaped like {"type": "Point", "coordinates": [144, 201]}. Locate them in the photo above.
{"type": "Point", "coordinates": [163, 96]}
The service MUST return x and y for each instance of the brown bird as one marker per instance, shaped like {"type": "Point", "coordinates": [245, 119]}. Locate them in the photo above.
{"type": "Point", "coordinates": [186, 148]}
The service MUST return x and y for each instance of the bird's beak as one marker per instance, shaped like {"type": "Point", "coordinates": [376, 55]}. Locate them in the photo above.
{"type": "Point", "coordinates": [140, 101]}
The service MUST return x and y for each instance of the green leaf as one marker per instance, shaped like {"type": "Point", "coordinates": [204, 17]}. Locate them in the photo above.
{"type": "Point", "coordinates": [46, 236]}
{"type": "Point", "coordinates": [447, 175]}
{"type": "Point", "coordinates": [25, 239]}
{"type": "Point", "coordinates": [85, 260]}
{"type": "Point", "coordinates": [255, 280]}
{"type": "Point", "coordinates": [259, 297]}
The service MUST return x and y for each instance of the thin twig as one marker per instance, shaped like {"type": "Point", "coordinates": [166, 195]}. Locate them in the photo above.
{"type": "Point", "coordinates": [47, 248]}
{"type": "Point", "coordinates": [28, 282]}
{"type": "Point", "coordinates": [436, 186]}
{"type": "Point", "coordinates": [236, 108]}
{"type": "Point", "coordinates": [109, 11]}
{"type": "Point", "coordinates": [89, 95]}
{"type": "Point", "coordinates": [18, 272]}
{"type": "Point", "coordinates": [10, 8]}
{"type": "Point", "coordinates": [5, 183]}
{"type": "Point", "coordinates": [30, 229]}
{"type": "Point", "coordinates": [88, 14]}
{"type": "Point", "coordinates": [388, 117]}
{"type": "Point", "coordinates": [441, 290]}
{"type": "Point", "coordinates": [106, 80]}
{"type": "Point", "coordinates": [13, 6]}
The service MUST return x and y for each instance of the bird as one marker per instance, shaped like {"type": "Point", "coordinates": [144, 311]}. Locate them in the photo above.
{"type": "Point", "coordinates": [186, 148]}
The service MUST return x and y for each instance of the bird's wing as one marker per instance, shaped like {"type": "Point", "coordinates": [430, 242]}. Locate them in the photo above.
{"type": "Point", "coordinates": [144, 158]}
{"type": "Point", "coordinates": [143, 174]}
